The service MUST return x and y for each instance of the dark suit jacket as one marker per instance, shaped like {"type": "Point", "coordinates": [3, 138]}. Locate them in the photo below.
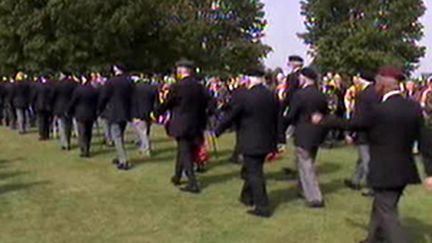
{"type": "Point", "coordinates": [256, 112]}
{"type": "Point", "coordinates": [305, 103]}
{"type": "Point", "coordinates": [2, 95]}
{"type": "Point", "coordinates": [21, 95]}
{"type": "Point", "coordinates": [9, 89]}
{"type": "Point", "coordinates": [63, 91]}
{"type": "Point", "coordinates": [188, 101]}
{"type": "Point", "coordinates": [144, 101]}
{"type": "Point", "coordinates": [117, 95]}
{"type": "Point", "coordinates": [365, 103]}
{"type": "Point", "coordinates": [293, 84]}
{"type": "Point", "coordinates": [83, 105]}
{"type": "Point", "coordinates": [392, 128]}
{"type": "Point", "coordinates": [43, 94]}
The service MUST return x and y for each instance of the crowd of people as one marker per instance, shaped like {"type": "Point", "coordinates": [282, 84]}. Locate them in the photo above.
{"type": "Point", "coordinates": [386, 116]}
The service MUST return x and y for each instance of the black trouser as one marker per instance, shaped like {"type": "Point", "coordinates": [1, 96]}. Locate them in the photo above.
{"type": "Point", "coordinates": [235, 157]}
{"type": "Point", "coordinates": [10, 117]}
{"type": "Point", "coordinates": [44, 122]}
{"type": "Point", "coordinates": [384, 224]}
{"type": "Point", "coordinates": [85, 132]}
{"type": "Point", "coordinates": [254, 188]}
{"type": "Point", "coordinates": [1, 114]}
{"type": "Point", "coordinates": [282, 129]}
{"type": "Point", "coordinates": [185, 156]}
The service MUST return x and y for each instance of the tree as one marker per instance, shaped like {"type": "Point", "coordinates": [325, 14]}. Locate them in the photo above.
{"type": "Point", "coordinates": [350, 35]}
{"type": "Point", "coordinates": [147, 35]}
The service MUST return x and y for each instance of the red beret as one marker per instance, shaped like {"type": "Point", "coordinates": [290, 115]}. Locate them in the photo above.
{"type": "Point", "coordinates": [392, 72]}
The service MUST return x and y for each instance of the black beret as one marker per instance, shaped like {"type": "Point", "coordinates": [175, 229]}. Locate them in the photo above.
{"type": "Point", "coordinates": [256, 72]}
{"type": "Point", "coordinates": [295, 58]}
{"type": "Point", "coordinates": [368, 76]}
{"type": "Point", "coordinates": [185, 63]}
{"type": "Point", "coordinates": [309, 73]}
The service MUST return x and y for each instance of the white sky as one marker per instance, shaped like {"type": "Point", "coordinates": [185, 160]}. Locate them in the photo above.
{"type": "Point", "coordinates": [285, 22]}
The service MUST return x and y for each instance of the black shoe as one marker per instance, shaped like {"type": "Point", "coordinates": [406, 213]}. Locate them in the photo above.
{"type": "Point", "coordinates": [175, 181]}
{"type": "Point", "coordinates": [127, 166]}
{"type": "Point", "coordinates": [260, 213]}
{"type": "Point", "coordinates": [124, 166]}
{"type": "Point", "coordinates": [194, 189]}
{"type": "Point", "coordinates": [115, 161]}
{"type": "Point", "coordinates": [348, 183]}
{"type": "Point", "coordinates": [247, 203]}
{"type": "Point", "coordinates": [201, 170]}
{"type": "Point", "coordinates": [315, 204]}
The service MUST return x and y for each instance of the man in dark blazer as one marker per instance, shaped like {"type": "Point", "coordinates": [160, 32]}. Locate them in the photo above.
{"type": "Point", "coordinates": [295, 63]}
{"type": "Point", "coordinates": [21, 101]}
{"type": "Point", "coordinates": [83, 107]}
{"type": "Point", "coordinates": [2, 101]}
{"type": "Point", "coordinates": [392, 127]}
{"type": "Point", "coordinates": [42, 99]}
{"type": "Point", "coordinates": [117, 95]}
{"type": "Point", "coordinates": [188, 101]}
{"type": "Point", "coordinates": [63, 91]}
{"type": "Point", "coordinates": [364, 104]}
{"type": "Point", "coordinates": [143, 104]}
{"type": "Point", "coordinates": [307, 136]}
{"type": "Point", "coordinates": [256, 113]}
{"type": "Point", "coordinates": [10, 109]}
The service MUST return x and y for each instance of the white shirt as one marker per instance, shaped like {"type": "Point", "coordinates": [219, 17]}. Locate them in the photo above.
{"type": "Point", "coordinates": [390, 94]}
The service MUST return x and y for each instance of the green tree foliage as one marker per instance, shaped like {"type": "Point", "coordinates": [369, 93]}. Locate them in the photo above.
{"type": "Point", "coordinates": [348, 35]}
{"type": "Point", "coordinates": [147, 35]}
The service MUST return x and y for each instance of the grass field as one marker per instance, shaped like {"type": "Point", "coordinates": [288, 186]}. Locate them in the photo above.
{"type": "Point", "coordinates": [47, 195]}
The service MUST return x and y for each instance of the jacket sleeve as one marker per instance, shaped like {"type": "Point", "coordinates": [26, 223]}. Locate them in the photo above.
{"type": "Point", "coordinates": [71, 105]}
{"type": "Point", "coordinates": [104, 97]}
{"type": "Point", "coordinates": [231, 116]}
{"type": "Point", "coordinates": [294, 111]}
{"type": "Point", "coordinates": [425, 144]}
{"type": "Point", "coordinates": [168, 103]}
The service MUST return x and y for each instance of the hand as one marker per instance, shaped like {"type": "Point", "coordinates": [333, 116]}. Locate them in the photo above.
{"type": "Point", "coordinates": [349, 139]}
{"type": "Point", "coordinates": [428, 183]}
{"type": "Point", "coordinates": [317, 118]}
{"type": "Point", "coordinates": [153, 117]}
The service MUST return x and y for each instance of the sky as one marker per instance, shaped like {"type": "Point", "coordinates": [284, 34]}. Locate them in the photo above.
{"type": "Point", "coordinates": [285, 22]}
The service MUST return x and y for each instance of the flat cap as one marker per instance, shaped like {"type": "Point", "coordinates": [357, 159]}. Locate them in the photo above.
{"type": "Point", "coordinates": [185, 63]}
{"type": "Point", "coordinates": [309, 73]}
{"type": "Point", "coordinates": [295, 58]}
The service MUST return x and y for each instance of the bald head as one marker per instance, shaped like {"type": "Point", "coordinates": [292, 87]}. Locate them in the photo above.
{"type": "Point", "coordinates": [385, 84]}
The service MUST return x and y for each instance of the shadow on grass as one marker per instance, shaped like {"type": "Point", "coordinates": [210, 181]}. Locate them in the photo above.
{"type": "Point", "coordinates": [210, 180]}
{"type": "Point", "coordinates": [419, 232]}
{"type": "Point", "coordinates": [4, 176]}
{"type": "Point", "coordinates": [282, 196]}
{"type": "Point", "coordinates": [20, 186]}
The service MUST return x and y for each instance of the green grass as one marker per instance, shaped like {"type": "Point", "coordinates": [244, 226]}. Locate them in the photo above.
{"type": "Point", "coordinates": [47, 195]}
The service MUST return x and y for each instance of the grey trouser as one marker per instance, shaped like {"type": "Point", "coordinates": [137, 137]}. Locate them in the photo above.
{"type": "Point", "coordinates": [308, 180]}
{"type": "Point", "coordinates": [65, 131]}
{"type": "Point", "coordinates": [384, 224]}
{"type": "Point", "coordinates": [142, 128]}
{"type": "Point", "coordinates": [362, 168]}
{"type": "Point", "coordinates": [107, 130]}
{"type": "Point", "coordinates": [22, 119]}
{"type": "Point", "coordinates": [117, 133]}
